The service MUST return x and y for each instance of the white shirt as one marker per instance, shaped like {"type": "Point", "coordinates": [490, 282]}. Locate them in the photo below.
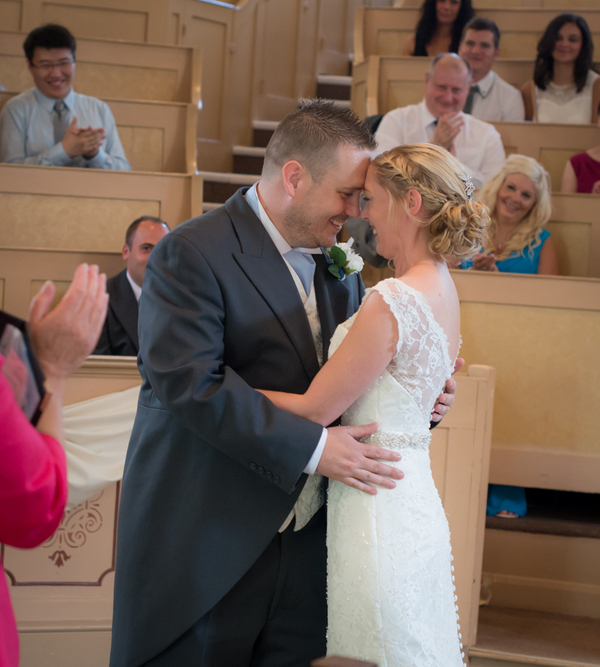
{"type": "Point", "coordinates": [563, 104]}
{"type": "Point", "coordinates": [498, 101]}
{"type": "Point", "coordinates": [137, 290]}
{"type": "Point", "coordinates": [478, 145]}
{"type": "Point", "coordinates": [283, 246]}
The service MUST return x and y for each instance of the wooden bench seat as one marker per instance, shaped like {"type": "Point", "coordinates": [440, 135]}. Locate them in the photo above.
{"type": "Point", "coordinates": [54, 218]}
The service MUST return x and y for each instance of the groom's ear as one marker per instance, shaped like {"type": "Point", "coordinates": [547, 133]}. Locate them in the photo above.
{"type": "Point", "coordinates": [293, 173]}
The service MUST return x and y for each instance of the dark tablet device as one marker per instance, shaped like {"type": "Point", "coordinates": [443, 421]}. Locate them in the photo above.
{"type": "Point", "coordinates": [21, 367]}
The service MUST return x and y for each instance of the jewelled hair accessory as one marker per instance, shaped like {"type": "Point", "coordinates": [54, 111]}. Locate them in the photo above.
{"type": "Point", "coordinates": [469, 187]}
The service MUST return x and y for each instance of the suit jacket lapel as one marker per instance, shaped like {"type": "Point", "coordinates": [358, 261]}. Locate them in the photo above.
{"type": "Point", "coordinates": [333, 296]}
{"type": "Point", "coordinates": [262, 263]}
{"type": "Point", "coordinates": [126, 308]}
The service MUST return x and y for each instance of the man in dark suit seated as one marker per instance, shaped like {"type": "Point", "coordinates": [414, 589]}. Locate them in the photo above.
{"type": "Point", "coordinates": [120, 333]}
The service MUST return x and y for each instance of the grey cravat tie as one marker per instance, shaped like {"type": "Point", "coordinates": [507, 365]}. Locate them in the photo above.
{"type": "Point", "coordinates": [60, 119]}
{"type": "Point", "coordinates": [468, 108]}
{"type": "Point", "coordinates": [304, 266]}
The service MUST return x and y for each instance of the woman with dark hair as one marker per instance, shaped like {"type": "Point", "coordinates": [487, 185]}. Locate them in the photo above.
{"type": "Point", "coordinates": [440, 27]}
{"type": "Point", "coordinates": [565, 88]}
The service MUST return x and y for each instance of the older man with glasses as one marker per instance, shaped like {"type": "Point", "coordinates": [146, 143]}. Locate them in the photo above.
{"type": "Point", "coordinates": [51, 124]}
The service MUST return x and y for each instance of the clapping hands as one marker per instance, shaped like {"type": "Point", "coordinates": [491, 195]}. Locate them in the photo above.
{"type": "Point", "coordinates": [483, 262]}
{"type": "Point", "coordinates": [448, 126]}
{"type": "Point", "coordinates": [84, 141]}
{"type": "Point", "coordinates": [65, 336]}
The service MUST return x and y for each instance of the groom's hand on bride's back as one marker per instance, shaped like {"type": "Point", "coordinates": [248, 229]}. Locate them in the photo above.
{"type": "Point", "coordinates": [446, 400]}
{"type": "Point", "coordinates": [355, 463]}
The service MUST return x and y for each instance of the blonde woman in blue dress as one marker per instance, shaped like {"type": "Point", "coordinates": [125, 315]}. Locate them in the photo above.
{"type": "Point", "coordinates": [390, 592]}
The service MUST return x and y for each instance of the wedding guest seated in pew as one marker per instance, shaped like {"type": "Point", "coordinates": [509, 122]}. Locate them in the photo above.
{"type": "Point", "coordinates": [33, 473]}
{"type": "Point", "coordinates": [119, 335]}
{"type": "Point", "coordinates": [519, 199]}
{"type": "Point", "coordinates": [565, 87]}
{"type": "Point", "coordinates": [439, 119]}
{"type": "Point", "coordinates": [582, 172]}
{"type": "Point", "coordinates": [440, 27]}
{"type": "Point", "coordinates": [490, 98]}
{"type": "Point", "coordinates": [50, 124]}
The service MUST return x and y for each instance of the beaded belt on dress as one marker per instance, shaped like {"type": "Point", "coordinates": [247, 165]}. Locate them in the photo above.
{"type": "Point", "coordinates": [390, 440]}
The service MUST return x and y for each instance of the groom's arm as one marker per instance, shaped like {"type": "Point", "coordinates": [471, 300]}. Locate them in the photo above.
{"type": "Point", "coordinates": [182, 329]}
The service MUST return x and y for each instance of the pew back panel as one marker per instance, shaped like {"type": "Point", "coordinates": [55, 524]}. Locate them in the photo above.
{"type": "Point", "coordinates": [156, 136]}
{"type": "Point", "coordinates": [380, 31]}
{"type": "Point", "coordinates": [54, 218]}
{"type": "Point", "coordinates": [115, 70]}
{"type": "Point", "coordinates": [539, 332]}
{"type": "Point", "coordinates": [552, 145]}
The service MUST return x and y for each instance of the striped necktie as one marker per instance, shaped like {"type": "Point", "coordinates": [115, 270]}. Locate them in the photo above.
{"type": "Point", "coordinates": [60, 120]}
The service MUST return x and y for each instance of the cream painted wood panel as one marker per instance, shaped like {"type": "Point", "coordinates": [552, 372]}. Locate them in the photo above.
{"type": "Point", "coordinates": [539, 332]}
{"type": "Point", "coordinates": [55, 218]}
{"type": "Point", "coordinates": [552, 145]}
{"type": "Point", "coordinates": [114, 70]}
{"type": "Point", "coordinates": [384, 31]}
{"type": "Point", "coordinates": [10, 15]}
{"type": "Point", "coordinates": [460, 451]}
{"type": "Point", "coordinates": [550, 573]}
{"type": "Point", "coordinates": [105, 22]}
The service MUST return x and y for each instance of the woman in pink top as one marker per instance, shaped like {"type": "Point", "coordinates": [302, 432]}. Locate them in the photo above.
{"type": "Point", "coordinates": [33, 471]}
{"type": "Point", "coordinates": [582, 172]}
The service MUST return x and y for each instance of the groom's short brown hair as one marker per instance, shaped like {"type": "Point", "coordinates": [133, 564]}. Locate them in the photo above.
{"type": "Point", "coordinates": [312, 135]}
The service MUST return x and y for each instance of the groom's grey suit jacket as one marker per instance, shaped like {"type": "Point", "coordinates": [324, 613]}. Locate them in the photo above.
{"type": "Point", "coordinates": [213, 468]}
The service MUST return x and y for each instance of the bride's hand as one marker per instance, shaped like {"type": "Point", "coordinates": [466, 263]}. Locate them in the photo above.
{"type": "Point", "coordinates": [446, 400]}
{"type": "Point", "coordinates": [356, 464]}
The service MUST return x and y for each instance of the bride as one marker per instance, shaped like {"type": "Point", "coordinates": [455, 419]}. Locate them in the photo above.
{"type": "Point", "coordinates": [390, 593]}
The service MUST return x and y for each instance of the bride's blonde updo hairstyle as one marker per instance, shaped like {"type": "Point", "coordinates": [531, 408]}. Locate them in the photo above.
{"type": "Point", "coordinates": [457, 224]}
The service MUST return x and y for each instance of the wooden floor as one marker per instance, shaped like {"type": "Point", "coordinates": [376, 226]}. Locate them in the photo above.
{"type": "Point", "coordinates": [532, 637]}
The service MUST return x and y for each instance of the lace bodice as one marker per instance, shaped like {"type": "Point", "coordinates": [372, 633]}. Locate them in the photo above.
{"type": "Point", "coordinates": [421, 366]}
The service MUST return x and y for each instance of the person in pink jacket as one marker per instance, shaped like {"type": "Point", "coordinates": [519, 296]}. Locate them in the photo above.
{"type": "Point", "coordinates": [33, 471]}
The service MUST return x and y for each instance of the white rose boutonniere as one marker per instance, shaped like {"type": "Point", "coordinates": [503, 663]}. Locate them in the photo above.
{"type": "Point", "coordinates": [343, 260]}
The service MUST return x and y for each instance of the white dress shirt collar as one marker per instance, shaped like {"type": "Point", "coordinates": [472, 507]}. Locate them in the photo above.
{"type": "Point", "coordinates": [49, 102]}
{"type": "Point", "coordinates": [137, 290]}
{"type": "Point", "coordinates": [486, 84]}
{"type": "Point", "coordinates": [426, 115]}
{"type": "Point", "coordinates": [281, 244]}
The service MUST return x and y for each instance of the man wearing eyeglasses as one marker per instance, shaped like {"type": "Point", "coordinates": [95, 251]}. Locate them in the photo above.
{"type": "Point", "coordinates": [51, 124]}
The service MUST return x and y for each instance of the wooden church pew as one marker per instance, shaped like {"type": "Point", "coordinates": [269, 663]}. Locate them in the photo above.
{"type": "Point", "coordinates": [382, 31]}
{"type": "Point", "coordinates": [156, 136]}
{"type": "Point", "coordinates": [115, 70]}
{"type": "Point", "coordinates": [54, 218]}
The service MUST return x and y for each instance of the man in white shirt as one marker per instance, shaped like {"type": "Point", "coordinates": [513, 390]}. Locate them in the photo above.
{"type": "Point", "coordinates": [490, 97]}
{"type": "Point", "coordinates": [439, 119]}
{"type": "Point", "coordinates": [120, 332]}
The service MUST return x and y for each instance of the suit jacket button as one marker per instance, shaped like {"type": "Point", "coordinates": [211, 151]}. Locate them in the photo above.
{"type": "Point", "coordinates": [277, 480]}
{"type": "Point", "coordinates": [253, 466]}
{"type": "Point", "coordinates": [261, 470]}
{"type": "Point", "coordinates": [269, 474]}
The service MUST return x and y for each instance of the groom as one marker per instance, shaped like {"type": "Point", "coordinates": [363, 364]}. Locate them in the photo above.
{"type": "Point", "coordinates": [221, 545]}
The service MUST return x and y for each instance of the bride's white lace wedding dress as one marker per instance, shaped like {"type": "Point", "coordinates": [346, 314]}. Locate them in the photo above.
{"type": "Point", "coordinates": [390, 593]}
